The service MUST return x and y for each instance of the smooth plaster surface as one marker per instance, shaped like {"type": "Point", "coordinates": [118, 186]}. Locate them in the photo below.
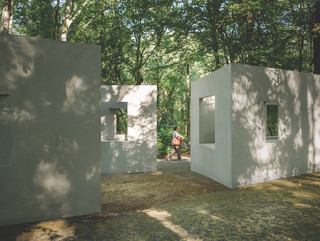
{"type": "Point", "coordinates": [297, 150]}
{"type": "Point", "coordinates": [138, 152]}
{"type": "Point", "coordinates": [246, 156]}
{"type": "Point", "coordinates": [49, 129]}
{"type": "Point", "coordinates": [212, 160]}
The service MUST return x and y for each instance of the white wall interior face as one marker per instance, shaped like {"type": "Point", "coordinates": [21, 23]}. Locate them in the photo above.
{"type": "Point", "coordinates": [211, 126]}
{"type": "Point", "coordinates": [109, 121]}
{"type": "Point", "coordinates": [49, 129]}
{"type": "Point", "coordinates": [134, 151]}
{"type": "Point", "coordinates": [207, 120]}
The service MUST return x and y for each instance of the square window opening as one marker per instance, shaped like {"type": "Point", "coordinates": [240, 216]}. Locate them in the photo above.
{"type": "Point", "coordinates": [207, 107]}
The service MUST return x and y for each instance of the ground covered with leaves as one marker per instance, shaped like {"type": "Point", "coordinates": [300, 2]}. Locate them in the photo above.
{"type": "Point", "coordinates": [177, 204]}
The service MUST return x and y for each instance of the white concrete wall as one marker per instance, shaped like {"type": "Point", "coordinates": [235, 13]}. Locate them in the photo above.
{"type": "Point", "coordinates": [213, 160]}
{"type": "Point", "coordinates": [242, 155]}
{"type": "Point", "coordinates": [49, 129]}
{"type": "Point", "coordinates": [297, 150]}
{"type": "Point", "coordinates": [139, 152]}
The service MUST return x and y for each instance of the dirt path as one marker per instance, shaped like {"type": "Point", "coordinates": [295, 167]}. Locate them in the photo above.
{"type": "Point", "coordinates": [127, 193]}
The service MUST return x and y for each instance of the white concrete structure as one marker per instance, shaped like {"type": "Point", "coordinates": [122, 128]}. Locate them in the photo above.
{"type": "Point", "coordinates": [49, 129]}
{"type": "Point", "coordinates": [136, 151]}
{"type": "Point", "coordinates": [229, 140]}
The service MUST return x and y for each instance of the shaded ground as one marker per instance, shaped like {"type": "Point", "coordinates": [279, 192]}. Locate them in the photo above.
{"type": "Point", "coordinates": [127, 193]}
{"type": "Point", "coordinates": [177, 204]}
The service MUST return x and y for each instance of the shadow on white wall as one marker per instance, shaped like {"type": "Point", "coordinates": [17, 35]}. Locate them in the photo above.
{"type": "Point", "coordinates": [298, 97]}
{"type": "Point", "coordinates": [54, 119]}
{"type": "Point", "coordinates": [138, 152]}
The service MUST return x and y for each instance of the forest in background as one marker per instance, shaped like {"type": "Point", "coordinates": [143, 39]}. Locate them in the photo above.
{"type": "Point", "coordinates": [170, 43]}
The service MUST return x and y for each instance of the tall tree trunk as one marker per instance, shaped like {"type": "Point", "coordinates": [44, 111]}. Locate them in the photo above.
{"type": "Point", "coordinates": [188, 105]}
{"type": "Point", "coordinates": [67, 21]}
{"type": "Point", "coordinates": [213, 12]}
{"type": "Point", "coordinates": [7, 16]}
{"type": "Point", "coordinates": [301, 36]}
{"type": "Point", "coordinates": [301, 52]}
{"type": "Point", "coordinates": [250, 38]}
{"type": "Point", "coordinates": [69, 17]}
{"type": "Point", "coordinates": [56, 21]}
{"type": "Point", "coordinates": [316, 38]}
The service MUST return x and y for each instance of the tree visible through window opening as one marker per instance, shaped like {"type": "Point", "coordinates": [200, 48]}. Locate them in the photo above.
{"type": "Point", "coordinates": [272, 121]}
{"type": "Point", "coordinates": [122, 121]}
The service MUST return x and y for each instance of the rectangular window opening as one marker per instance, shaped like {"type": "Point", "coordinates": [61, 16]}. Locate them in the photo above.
{"type": "Point", "coordinates": [272, 121]}
{"type": "Point", "coordinates": [120, 123]}
{"type": "Point", "coordinates": [207, 107]}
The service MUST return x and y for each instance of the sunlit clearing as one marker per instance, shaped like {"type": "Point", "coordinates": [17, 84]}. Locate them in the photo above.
{"type": "Point", "coordinates": [163, 216]}
{"type": "Point", "coordinates": [286, 183]}
{"type": "Point", "coordinates": [157, 173]}
{"type": "Point", "coordinates": [201, 211]}
{"type": "Point", "coordinates": [301, 205]}
{"type": "Point", "coordinates": [274, 188]}
{"type": "Point", "coordinates": [49, 230]}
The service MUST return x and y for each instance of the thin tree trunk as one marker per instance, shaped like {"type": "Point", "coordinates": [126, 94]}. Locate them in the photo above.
{"type": "Point", "coordinates": [302, 30]}
{"type": "Point", "coordinates": [301, 52]}
{"type": "Point", "coordinates": [67, 21]}
{"type": "Point", "coordinates": [316, 55]}
{"type": "Point", "coordinates": [213, 11]}
{"type": "Point", "coordinates": [69, 18]}
{"type": "Point", "coordinates": [56, 21]}
{"type": "Point", "coordinates": [250, 38]}
{"type": "Point", "coordinates": [168, 99]}
{"type": "Point", "coordinates": [316, 38]}
{"type": "Point", "coordinates": [188, 106]}
{"type": "Point", "coordinates": [7, 16]}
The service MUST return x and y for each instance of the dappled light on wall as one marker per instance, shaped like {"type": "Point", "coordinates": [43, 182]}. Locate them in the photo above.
{"type": "Point", "coordinates": [54, 184]}
{"type": "Point", "coordinates": [21, 63]}
{"type": "Point", "coordinates": [274, 118]}
{"type": "Point", "coordinates": [52, 125]}
{"type": "Point", "coordinates": [128, 129]}
{"type": "Point", "coordinates": [77, 97]}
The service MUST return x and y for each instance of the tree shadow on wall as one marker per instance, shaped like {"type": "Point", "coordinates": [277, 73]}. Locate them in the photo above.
{"type": "Point", "coordinates": [138, 153]}
{"type": "Point", "coordinates": [297, 95]}
{"type": "Point", "coordinates": [54, 115]}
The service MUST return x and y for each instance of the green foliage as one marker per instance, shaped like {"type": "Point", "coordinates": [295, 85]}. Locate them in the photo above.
{"type": "Point", "coordinates": [153, 41]}
{"type": "Point", "coordinates": [1, 4]}
{"type": "Point", "coordinates": [164, 139]}
{"type": "Point", "coordinates": [122, 121]}
{"type": "Point", "coordinates": [272, 120]}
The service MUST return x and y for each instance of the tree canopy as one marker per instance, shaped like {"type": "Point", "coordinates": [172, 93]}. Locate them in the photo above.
{"type": "Point", "coordinates": [172, 42]}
